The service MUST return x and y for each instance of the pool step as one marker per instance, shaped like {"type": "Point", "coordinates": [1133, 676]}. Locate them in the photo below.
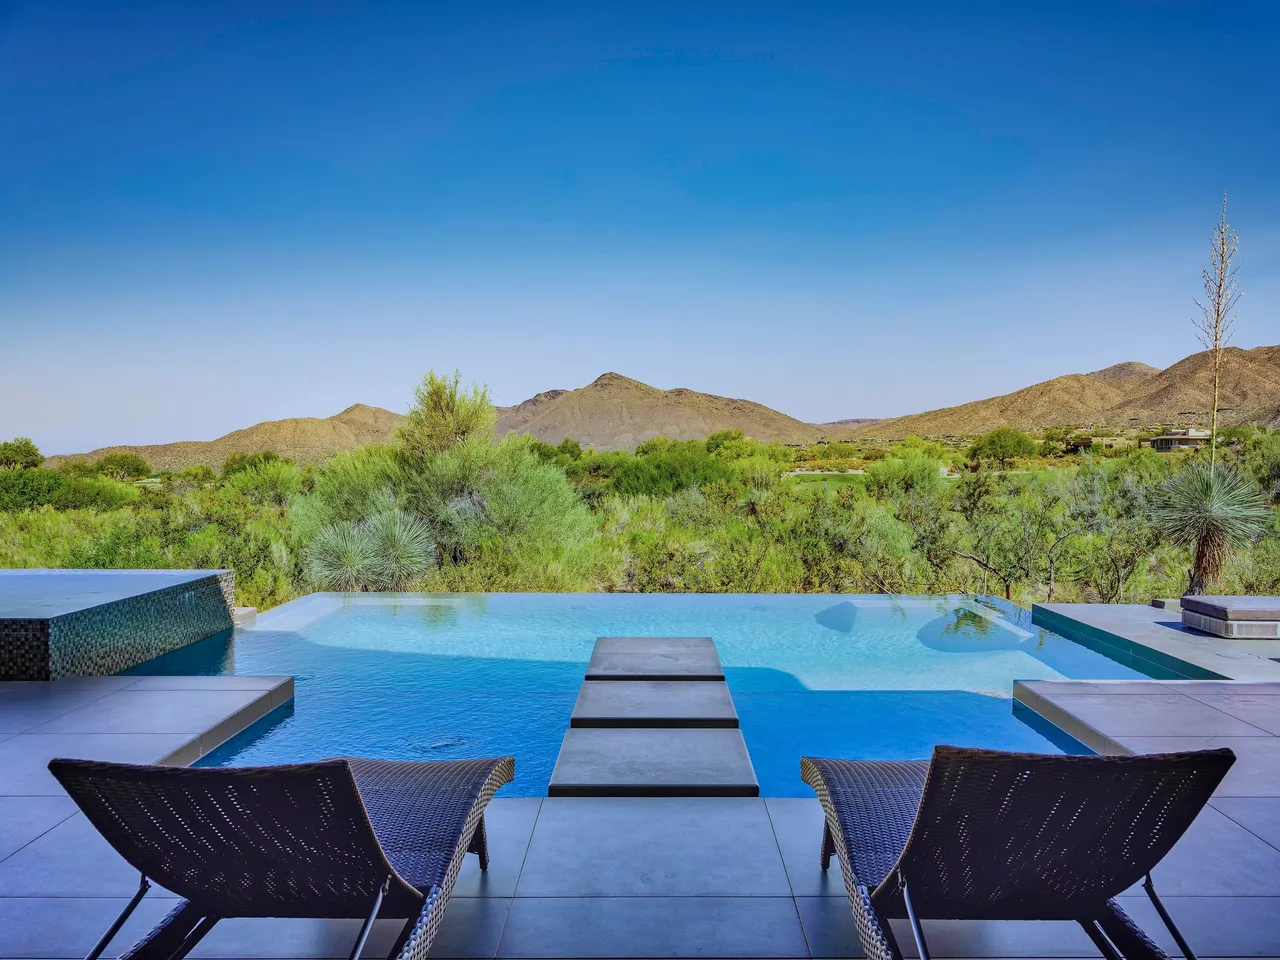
{"type": "Point", "coordinates": [655, 658]}
{"type": "Point", "coordinates": [654, 718]}
{"type": "Point", "coordinates": [654, 703]}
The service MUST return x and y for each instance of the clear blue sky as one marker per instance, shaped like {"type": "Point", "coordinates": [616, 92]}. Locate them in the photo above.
{"type": "Point", "coordinates": [214, 214]}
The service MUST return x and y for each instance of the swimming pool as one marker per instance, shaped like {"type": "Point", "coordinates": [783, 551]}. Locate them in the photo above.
{"type": "Point", "coordinates": [416, 676]}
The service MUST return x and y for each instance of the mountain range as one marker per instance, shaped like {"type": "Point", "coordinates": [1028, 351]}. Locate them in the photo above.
{"type": "Point", "coordinates": [616, 412]}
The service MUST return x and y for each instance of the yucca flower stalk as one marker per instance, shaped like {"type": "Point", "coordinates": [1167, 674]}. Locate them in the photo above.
{"type": "Point", "coordinates": [1213, 509]}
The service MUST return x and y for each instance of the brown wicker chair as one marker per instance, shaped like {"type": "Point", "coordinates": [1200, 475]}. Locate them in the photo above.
{"type": "Point", "coordinates": [340, 838]}
{"type": "Point", "coordinates": [989, 835]}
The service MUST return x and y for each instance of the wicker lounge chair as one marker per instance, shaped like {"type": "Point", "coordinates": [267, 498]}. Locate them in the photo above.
{"type": "Point", "coordinates": [353, 839]}
{"type": "Point", "coordinates": [989, 835]}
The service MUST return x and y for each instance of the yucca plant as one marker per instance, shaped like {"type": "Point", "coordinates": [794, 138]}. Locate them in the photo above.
{"type": "Point", "coordinates": [1214, 510]}
{"type": "Point", "coordinates": [403, 547]}
{"type": "Point", "coordinates": [341, 557]}
{"type": "Point", "coordinates": [390, 550]}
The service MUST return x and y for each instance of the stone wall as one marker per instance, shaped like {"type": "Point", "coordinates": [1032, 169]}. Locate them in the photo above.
{"type": "Point", "coordinates": [111, 637]}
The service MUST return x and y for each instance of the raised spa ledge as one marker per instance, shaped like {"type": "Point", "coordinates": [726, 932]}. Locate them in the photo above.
{"type": "Point", "coordinates": [78, 623]}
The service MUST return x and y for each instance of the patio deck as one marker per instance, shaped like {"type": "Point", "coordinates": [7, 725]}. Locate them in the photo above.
{"type": "Point", "coordinates": [623, 877]}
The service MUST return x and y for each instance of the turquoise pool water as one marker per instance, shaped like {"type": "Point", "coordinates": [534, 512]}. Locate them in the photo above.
{"type": "Point", "coordinates": [444, 676]}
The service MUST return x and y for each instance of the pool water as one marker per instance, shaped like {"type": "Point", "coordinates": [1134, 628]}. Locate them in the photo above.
{"type": "Point", "coordinates": [415, 676]}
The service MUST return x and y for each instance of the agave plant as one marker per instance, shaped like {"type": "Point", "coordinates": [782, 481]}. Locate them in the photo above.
{"type": "Point", "coordinates": [1214, 510]}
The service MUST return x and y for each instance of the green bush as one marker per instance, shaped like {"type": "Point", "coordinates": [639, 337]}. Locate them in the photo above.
{"type": "Point", "coordinates": [20, 452]}
{"type": "Point", "coordinates": [38, 487]}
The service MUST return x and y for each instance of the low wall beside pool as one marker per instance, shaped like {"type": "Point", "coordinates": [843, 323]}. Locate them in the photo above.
{"type": "Point", "coordinates": [69, 623]}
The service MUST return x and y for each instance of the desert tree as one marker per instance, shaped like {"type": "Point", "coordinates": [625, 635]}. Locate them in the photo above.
{"type": "Point", "coordinates": [1216, 322]}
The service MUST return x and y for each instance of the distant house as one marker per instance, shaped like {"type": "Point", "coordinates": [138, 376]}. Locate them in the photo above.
{"type": "Point", "coordinates": [1078, 444]}
{"type": "Point", "coordinates": [1178, 440]}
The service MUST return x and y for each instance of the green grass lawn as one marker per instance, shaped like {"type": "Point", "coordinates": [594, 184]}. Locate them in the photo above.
{"type": "Point", "coordinates": [811, 483]}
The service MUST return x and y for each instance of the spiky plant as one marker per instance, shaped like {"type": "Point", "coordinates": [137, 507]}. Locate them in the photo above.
{"type": "Point", "coordinates": [342, 557]}
{"type": "Point", "coordinates": [404, 548]}
{"type": "Point", "coordinates": [390, 550]}
{"type": "Point", "coordinates": [1214, 510]}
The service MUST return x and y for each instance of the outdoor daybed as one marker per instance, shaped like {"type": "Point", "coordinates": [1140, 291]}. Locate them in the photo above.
{"type": "Point", "coordinates": [336, 839]}
{"type": "Point", "coordinates": [989, 835]}
{"type": "Point", "coordinates": [1256, 618]}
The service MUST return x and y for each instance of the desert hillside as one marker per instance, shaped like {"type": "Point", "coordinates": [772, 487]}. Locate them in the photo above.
{"type": "Point", "coordinates": [1121, 397]}
{"type": "Point", "coordinates": [305, 439]}
{"type": "Point", "coordinates": [615, 412]}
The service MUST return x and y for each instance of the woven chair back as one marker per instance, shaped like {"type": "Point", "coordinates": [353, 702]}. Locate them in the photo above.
{"type": "Point", "coordinates": [1024, 836]}
{"type": "Point", "coordinates": [286, 841]}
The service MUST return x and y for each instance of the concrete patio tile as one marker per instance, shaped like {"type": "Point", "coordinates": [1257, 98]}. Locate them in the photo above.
{"type": "Point", "coordinates": [471, 928]}
{"type": "Point", "coordinates": [1263, 711]}
{"type": "Point", "coordinates": [1196, 688]}
{"type": "Point", "coordinates": [829, 929]}
{"type": "Point", "coordinates": [1155, 716]}
{"type": "Point", "coordinates": [653, 762]}
{"type": "Point", "coordinates": [25, 757]}
{"type": "Point", "coordinates": [61, 927]}
{"type": "Point", "coordinates": [204, 683]}
{"type": "Point", "coordinates": [101, 684]}
{"type": "Point", "coordinates": [1217, 857]}
{"type": "Point", "coordinates": [509, 822]}
{"type": "Point", "coordinates": [1087, 688]}
{"type": "Point", "coordinates": [1259, 815]}
{"type": "Point", "coordinates": [654, 703]}
{"type": "Point", "coordinates": [638, 927]}
{"type": "Point", "coordinates": [153, 711]}
{"type": "Point", "coordinates": [23, 819]}
{"type": "Point", "coordinates": [1256, 772]}
{"type": "Point", "coordinates": [282, 939]}
{"type": "Point", "coordinates": [797, 825]}
{"type": "Point", "coordinates": [637, 847]}
{"type": "Point", "coordinates": [1214, 926]}
{"type": "Point", "coordinates": [23, 709]}
{"type": "Point", "coordinates": [70, 860]}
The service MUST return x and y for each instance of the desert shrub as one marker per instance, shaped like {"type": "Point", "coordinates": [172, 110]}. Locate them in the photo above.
{"type": "Point", "coordinates": [122, 465]}
{"type": "Point", "coordinates": [238, 461]}
{"type": "Point", "coordinates": [267, 482]}
{"type": "Point", "coordinates": [38, 487]}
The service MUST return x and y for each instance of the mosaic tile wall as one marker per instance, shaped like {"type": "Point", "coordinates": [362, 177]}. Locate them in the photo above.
{"type": "Point", "coordinates": [115, 636]}
{"type": "Point", "coordinates": [24, 649]}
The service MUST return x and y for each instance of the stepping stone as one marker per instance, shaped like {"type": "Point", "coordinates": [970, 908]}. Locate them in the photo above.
{"type": "Point", "coordinates": [654, 703]}
{"type": "Point", "coordinates": [596, 762]}
{"type": "Point", "coordinates": [655, 658]}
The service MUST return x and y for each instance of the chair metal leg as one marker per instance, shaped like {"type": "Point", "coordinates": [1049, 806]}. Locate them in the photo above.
{"type": "Point", "coordinates": [1105, 947]}
{"type": "Point", "coordinates": [143, 886]}
{"type": "Point", "coordinates": [367, 927]}
{"type": "Point", "coordinates": [916, 930]}
{"type": "Point", "coordinates": [828, 844]}
{"type": "Point", "coordinates": [194, 937]}
{"type": "Point", "coordinates": [480, 844]}
{"type": "Point", "coordinates": [179, 931]}
{"type": "Point", "coordinates": [1178, 938]}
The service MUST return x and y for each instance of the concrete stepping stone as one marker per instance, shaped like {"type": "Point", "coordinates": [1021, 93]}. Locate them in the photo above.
{"type": "Point", "coordinates": [655, 658]}
{"type": "Point", "coordinates": [603, 762]}
{"type": "Point", "coordinates": [654, 703]}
